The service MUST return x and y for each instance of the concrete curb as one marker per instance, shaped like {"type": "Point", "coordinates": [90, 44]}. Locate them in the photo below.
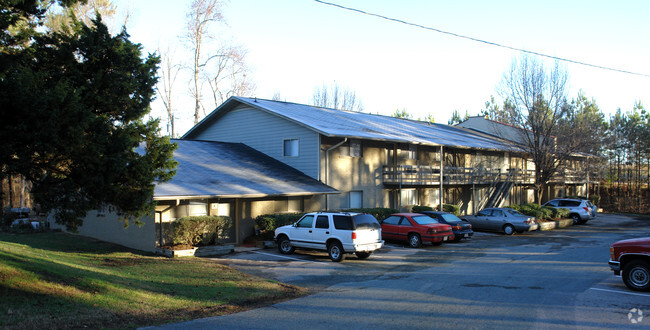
{"type": "Point", "coordinates": [554, 224]}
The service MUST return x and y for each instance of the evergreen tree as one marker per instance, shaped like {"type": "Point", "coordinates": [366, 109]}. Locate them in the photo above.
{"type": "Point", "coordinates": [72, 110]}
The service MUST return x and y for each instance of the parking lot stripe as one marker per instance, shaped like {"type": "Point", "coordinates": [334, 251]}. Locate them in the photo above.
{"type": "Point", "coordinates": [623, 292]}
{"type": "Point", "coordinates": [280, 256]}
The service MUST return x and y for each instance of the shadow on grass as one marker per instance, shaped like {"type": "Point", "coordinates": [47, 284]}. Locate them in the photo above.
{"type": "Point", "coordinates": [60, 280]}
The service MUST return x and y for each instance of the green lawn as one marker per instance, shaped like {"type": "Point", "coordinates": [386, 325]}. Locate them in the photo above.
{"type": "Point", "coordinates": [58, 280]}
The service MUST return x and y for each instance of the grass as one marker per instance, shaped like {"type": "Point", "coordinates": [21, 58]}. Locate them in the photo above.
{"type": "Point", "coordinates": [58, 280]}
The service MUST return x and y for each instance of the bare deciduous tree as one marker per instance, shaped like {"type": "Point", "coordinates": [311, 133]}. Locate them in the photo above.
{"type": "Point", "coordinates": [168, 73]}
{"type": "Point", "coordinates": [201, 15]}
{"type": "Point", "coordinates": [539, 103]}
{"type": "Point", "coordinates": [228, 74]}
{"type": "Point", "coordinates": [336, 97]}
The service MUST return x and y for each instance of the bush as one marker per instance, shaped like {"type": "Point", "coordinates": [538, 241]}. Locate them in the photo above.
{"type": "Point", "coordinates": [547, 213]}
{"type": "Point", "coordinates": [199, 230]}
{"type": "Point", "coordinates": [421, 208]}
{"type": "Point", "coordinates": [562, 212]}
{"type": "Point", "coordinates": [451, 208]}
{"type": "Point", "coordinates": [266, 223]}
{"type": "Point", "coordinates": [380, 213]}
{"type": "Point", "coordinates": [530, 209]}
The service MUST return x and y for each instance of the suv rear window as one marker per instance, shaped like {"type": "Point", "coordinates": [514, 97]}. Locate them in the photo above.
{"type": "Point", "coordinates": [343, 222]}
{"type": "Point", "coordinates": [365, 221]}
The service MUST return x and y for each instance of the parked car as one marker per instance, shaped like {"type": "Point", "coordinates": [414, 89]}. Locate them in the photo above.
{"type": "Point", "coordinates": [461, 228]}
{"type": "Point", "coordinates": [337, 233]}
{"type": "Point", "coordinates": [504, 220]}
{"type": "Point", "coordinates": [415, 228]}
{"type": "Point", "coordinates": [580, 210]}
{"type": "Point", "coordinates": [631, 257]}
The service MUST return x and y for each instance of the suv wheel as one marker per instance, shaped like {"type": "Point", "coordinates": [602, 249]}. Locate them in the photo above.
{"type": "Point", "coordinates": [363, 255]}
{"type": "Point", "coordinates": [415, 240]}
{"type": "Point", "coordinates": [284, 245]}
{"type": "Point", "coordinates": [636, 275]}
{"type": "Point", "coordinates": [576, 219]}
{"type": "Point", "coordinates": [335, 250]}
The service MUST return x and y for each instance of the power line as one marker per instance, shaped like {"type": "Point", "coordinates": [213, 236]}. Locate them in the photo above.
{"type": "Point", "coordinates": [481, 40]}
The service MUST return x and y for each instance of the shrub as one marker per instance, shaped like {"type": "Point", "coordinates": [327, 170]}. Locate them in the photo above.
{"type": "Point", "coordinates": [266, 223]}
{"type": "Point", "coordinates": [515, 207]}
{"type": "Point", "coordinates": [547, 213]}
{"type": "Point", "coordinates": [199, 230]}
{"type": "Point", "coordinates": [421, 208]}
{"type": "Point", "coordinates": [451, 208]}
{"type": "Point", "coordinates": [530, 209]}
{"type": "Point", "coordinates": [562, 212]}
{"type": "Point", "coordinates": [380, 213]}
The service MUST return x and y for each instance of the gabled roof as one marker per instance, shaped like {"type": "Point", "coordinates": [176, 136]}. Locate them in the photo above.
{"type": "Point", "coordinates": [218, 169]}
{"type": "Point", "coordinates": [358, 125]}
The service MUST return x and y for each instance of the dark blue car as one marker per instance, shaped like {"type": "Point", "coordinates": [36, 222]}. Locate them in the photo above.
{"type": "Point", "coordinates": [461, 228]}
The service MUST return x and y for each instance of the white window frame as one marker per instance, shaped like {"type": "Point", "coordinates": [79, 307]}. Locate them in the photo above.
{"type": "Point", "coordinates": [291, 147]}
{"type": "Point", "coordinates": [355, 195]}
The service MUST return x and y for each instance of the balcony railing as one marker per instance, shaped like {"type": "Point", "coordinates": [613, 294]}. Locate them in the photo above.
{"type": "Point", "coordinates": [420, 175]}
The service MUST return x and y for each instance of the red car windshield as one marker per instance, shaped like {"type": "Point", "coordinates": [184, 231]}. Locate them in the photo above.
{"type": "Point", "coordinates": [424, 220]}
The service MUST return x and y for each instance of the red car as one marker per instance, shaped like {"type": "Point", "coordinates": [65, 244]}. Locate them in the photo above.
{"type": "Point", "coordinates": [415, 228]}
{"type": "Point", "coordinates": [631, 257]}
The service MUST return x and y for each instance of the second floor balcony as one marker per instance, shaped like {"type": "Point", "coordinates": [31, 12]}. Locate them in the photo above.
{"type": "Point", "coordinates": [422, 175]}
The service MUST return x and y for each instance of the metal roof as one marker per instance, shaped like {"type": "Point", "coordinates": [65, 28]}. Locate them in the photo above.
{"type": "Point", "coordinates": [218, 169]}
{"type": "Point", "coordinates": [359, 125]}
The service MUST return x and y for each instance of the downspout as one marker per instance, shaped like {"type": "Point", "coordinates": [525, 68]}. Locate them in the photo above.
{"type": "Point", "coordinates": [327, 162]}
{"type": "Point", "coordinates": [442, 165]}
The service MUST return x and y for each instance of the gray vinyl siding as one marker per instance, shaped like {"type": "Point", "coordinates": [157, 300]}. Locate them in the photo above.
{"type": "Point", "coordinates": [266, 133]}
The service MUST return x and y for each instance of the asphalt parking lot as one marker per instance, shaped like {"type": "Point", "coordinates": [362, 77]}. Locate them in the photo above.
{"type": "Point", "coordinates": [555, 279]}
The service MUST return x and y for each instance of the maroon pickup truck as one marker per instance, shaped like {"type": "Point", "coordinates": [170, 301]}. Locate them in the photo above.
{"type": "Point", "coordinates": [632, 258]}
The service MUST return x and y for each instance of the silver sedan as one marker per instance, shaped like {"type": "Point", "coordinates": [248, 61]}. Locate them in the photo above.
{"type": "Point", "coordinates": [504, 220]}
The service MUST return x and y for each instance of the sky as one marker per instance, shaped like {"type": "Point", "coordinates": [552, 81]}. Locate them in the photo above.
{"type": "Point", "coordinates": [295, 46]}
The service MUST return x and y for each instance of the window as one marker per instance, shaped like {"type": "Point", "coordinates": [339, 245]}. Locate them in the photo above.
{"type": "Point", "coordinates": [322, 222]}
{"type": "Point", "coordinates": [424, 219]}
{"type": "Point", "coordinates": [291, 148]}
{"type": "Point", "coordinates": [356, 199]}
{"type": "Point", "coordinates": [221, 209]}
{"type": "Point", "coordinates": [498, 213]}
{"type": "Point", "coordinates": [197, 208]}
{"type": "Point", "coordinates": [409, 197]}
{"type": "Point", "coordinates": [569, 203]}
{"type": "Point", "coordinates": [412, 153]}
{"type": "Point", "coordinates": [405, 222]}
{"type": "Point", "coordinates": [392, 220]}
{"type": "Point", "coordinates": [553, 203]}
{"type": "Point", "coordinates": [306, 221]}
{"type": "Point", "coordinates": [484, 213]}
{"type": "Point", "coordinates": [353, 149]}
{"type": "Point", "coordinates": [343, 222]}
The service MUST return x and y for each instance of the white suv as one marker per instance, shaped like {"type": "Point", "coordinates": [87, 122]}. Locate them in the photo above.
{"type": "Point", "coordinates": [579, 210]}
{"type": "Point", "coordinates": [335, 232]}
